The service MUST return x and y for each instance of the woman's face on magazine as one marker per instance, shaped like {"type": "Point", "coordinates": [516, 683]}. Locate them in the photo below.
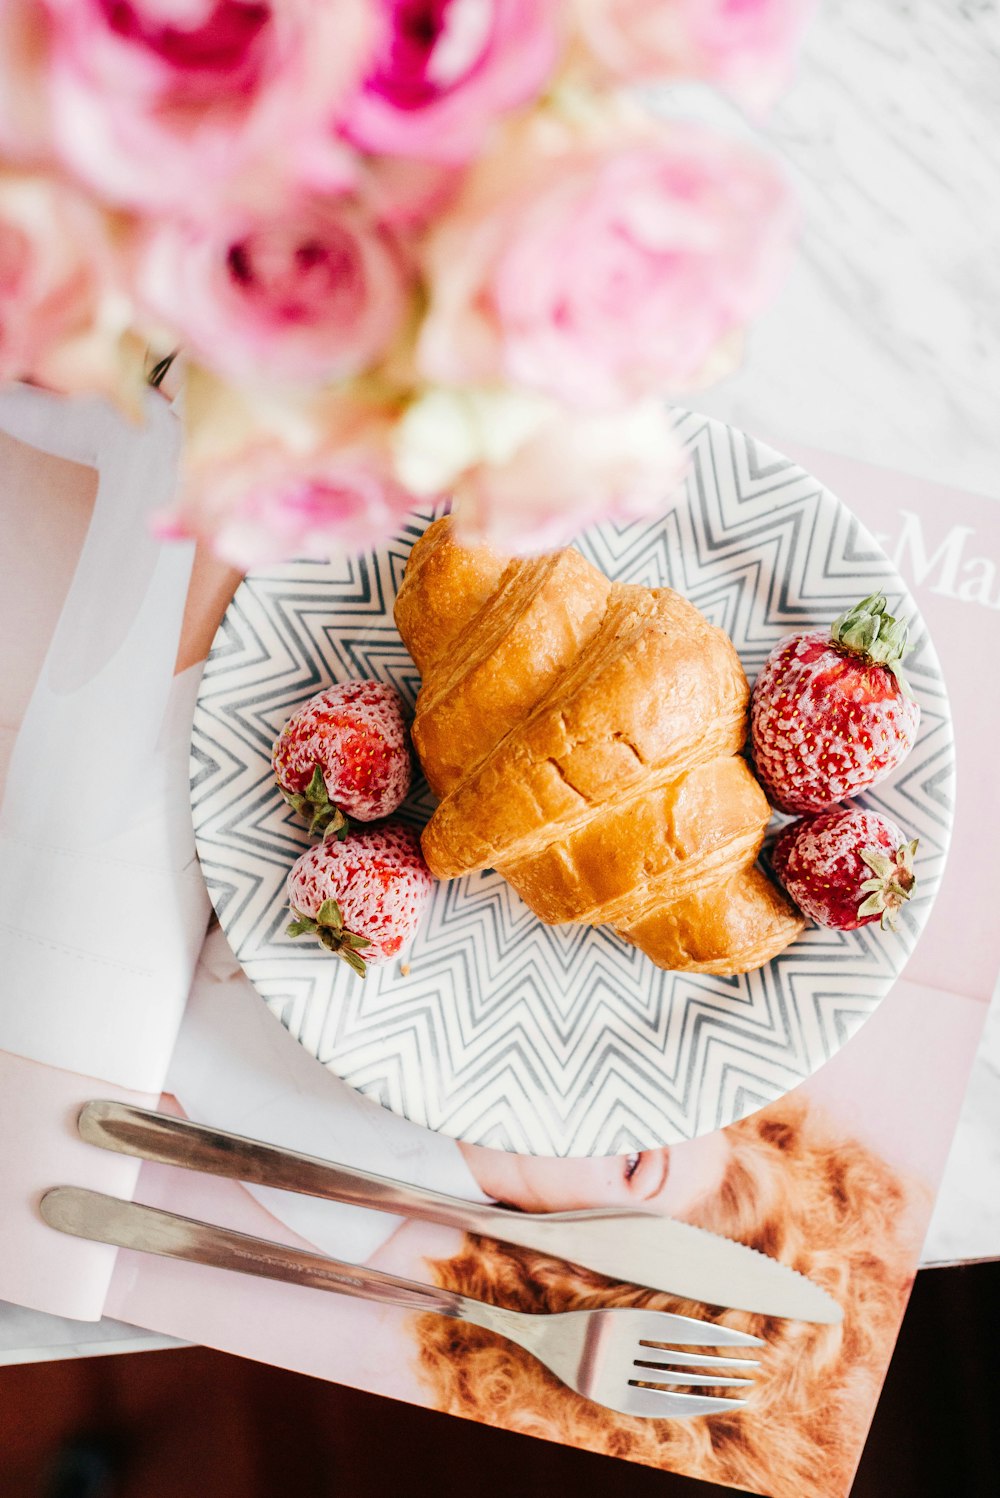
{"type": "Point", "coordinates": [665, 1180]}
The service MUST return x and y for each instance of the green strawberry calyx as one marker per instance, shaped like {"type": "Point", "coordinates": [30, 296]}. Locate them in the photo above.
{"type": "Point", "coordinates": [867, 630]}
{"type": "Point", "coordinates": [323, 815]}
{"type": "Point", "coordinates": [892, 882]}
{"type": "Point", "coordinates": [327, 926]}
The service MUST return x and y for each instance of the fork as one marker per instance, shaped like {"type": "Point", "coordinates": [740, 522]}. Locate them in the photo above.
{"type": "Point", "coordinates": [622, 1357]}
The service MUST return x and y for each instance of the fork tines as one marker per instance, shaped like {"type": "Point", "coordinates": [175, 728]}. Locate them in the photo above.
{"type": "Point", "coordinates": [669, 1368]}
{"type": "Point", "coordinates": [684, 1360]}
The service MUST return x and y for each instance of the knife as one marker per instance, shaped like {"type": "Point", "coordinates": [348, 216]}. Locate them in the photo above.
{"type": "Point", "coordinates": [639, 1247]}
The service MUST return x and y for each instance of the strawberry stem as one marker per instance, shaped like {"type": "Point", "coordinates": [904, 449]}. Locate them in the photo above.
{"type": "Point", "coordinates": [324, 817]}
{"type": "Point", "coordinates": [867, 630]}
{"type": "Point", "coordinates": [892, 882]}
{"type": "Point", "coordinates": [327, 926]}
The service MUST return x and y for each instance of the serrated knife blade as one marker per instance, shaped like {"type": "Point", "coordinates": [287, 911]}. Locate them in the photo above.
{"type": "Point", "coordinates": [640, 1248]}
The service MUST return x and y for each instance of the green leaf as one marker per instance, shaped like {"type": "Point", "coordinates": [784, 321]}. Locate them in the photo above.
{"type": "Point", "coordinates": [873, 905]}
{"type": "Point", "coordinates": [315, 791]}
{"type": "Point", "coordinates": [901, 678]}
{"type": "Point", "coordinates": [861, 636]}
{"type": "Point", "coordinates": [329, 914]}
{"type": "Point", "coordinates": [894, 639]}
{"type": "Point", "coordinates": [354, 961]}
{"type": "Point", "coordinates": [869, 631]}
{"type": "Point", "coordinates": [878, 863]}
{"type": "Point", "coordinates": [356, 943]}
{"type": "Point", "coordinates": [324, 817]}
{"type": "Point", "coordinates": [300, 925]}
{"type": "Point", "coordinates": [330, 821]}
{"type": "Point", "coordinates": [158, 373]}
{"type": "Point", "coordinates": [333, 822]}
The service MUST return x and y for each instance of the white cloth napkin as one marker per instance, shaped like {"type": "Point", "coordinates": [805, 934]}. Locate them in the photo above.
{"type": "Point", "coordinates": [102, 905]}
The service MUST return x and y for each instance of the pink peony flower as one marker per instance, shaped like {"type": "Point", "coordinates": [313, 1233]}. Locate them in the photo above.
{"type": "Point", "coordinates": [748, 47]}
{"type": "Point", "coordinates": [269, 504]}
{"type": "Point", "coordinates": [447, 69]}
{"type": "Point", "coordinates": [598, 274]}
{"type": "Point", "coordinates": [24, 126]}
{"type": "Point", "coordinates": [157, 102]}
{"type": "Point", "coordinates": [312, 291]}
{"type": "Point", "coordinates": [60, 320]}
{"type": "Point", "coordinates": [576, 471]}
{"type": "Point", "coordinates": [406, 195]}
{"type": "Point", "coordinates": [528, 475]}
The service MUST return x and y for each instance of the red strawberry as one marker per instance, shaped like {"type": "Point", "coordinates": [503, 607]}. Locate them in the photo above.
{"type": "Point", "coordinates": [344, 754]}
{"type": "Point", "coordinates": [846, 868]}
{"type": "Point", "coordinates": [832, 714]}
{"type": "Point", "coordinates": [361, 898]}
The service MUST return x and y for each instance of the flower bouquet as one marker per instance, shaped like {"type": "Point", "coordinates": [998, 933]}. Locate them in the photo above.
{"type": "Point", "coordinates": [398, 248]}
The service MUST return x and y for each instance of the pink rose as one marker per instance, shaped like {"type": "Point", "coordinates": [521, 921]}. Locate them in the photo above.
{"type": "Point", "coordinates": [155, 102]}
{"type": "Point", "coordinates": [312, 291]}
{"type": "Point", "coordinates": [601, 273]}
{"type": "Point", "coordinates": [265, 503]}
{"type": "Point", "coordinates": [447, 69]}
{"type": "Point", "coordinates": [748, 47]}
{"type": "Point", "coordinates": [527, 474]}
{"type": "Point", "coordinates": [59, 321]}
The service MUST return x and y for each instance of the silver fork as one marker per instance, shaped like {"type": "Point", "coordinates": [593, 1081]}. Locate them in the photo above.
{"type": "Point", "coordinates": [622, 1357]}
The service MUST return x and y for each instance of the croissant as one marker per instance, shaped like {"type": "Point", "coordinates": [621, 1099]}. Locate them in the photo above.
{"type": "Point", "coordinates": [584, 740]}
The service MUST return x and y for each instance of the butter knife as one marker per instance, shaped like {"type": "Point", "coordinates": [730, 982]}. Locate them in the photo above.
{"type": "Point", "coordinates": [640, 1248]}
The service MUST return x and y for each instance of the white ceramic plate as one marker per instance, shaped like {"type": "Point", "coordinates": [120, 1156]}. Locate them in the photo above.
{"type": "Point", "coordinates": [505, 1032]}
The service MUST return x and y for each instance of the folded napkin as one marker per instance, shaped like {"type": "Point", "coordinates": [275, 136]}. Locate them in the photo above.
{"type": "Point", "coordinates": [102, 905]}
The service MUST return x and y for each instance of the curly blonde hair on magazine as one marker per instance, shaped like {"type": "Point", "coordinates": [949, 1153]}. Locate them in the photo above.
{"type": "Point", "coordinates": [828, 1207]}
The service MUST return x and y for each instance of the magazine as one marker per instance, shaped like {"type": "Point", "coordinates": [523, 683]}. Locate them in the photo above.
{"type": "Point", "coordinates": [837, 1179]}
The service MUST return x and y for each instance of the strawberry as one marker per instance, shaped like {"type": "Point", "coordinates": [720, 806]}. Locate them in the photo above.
{"type": "Point", "coordinates": [361, 898]}
{"type": "Point", "coordinates": [344, 753]}
{"type": "Point", "coordinates": [846, 867]}
{"type": "Point", "coordinates": [831, 714]}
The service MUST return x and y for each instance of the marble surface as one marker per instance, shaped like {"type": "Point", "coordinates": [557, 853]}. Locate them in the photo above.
{"type": "Point", "coordinates": [34, 1337]}
{"type": "Point", "coordinates": [885, 342]}
{"type": "Point", "coordinates": [884, 346]}
{"type": "Point", "coordinates": [965, 1226]}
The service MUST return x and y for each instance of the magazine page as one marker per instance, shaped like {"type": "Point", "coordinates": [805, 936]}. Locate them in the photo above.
{"type": "Point", "coordinates": [837, 1180]}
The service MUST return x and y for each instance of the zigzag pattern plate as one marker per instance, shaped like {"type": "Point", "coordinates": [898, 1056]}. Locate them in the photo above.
{"type": "Point", "coordinates": [558, 1041]}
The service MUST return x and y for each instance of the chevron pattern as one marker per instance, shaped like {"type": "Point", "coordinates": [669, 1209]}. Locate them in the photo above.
{"type": "Point", "coordinates": [558, 1041]}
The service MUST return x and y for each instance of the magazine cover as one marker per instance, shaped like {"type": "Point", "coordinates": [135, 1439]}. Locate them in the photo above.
{"type": "Point", "coordinates": [836, 1180]}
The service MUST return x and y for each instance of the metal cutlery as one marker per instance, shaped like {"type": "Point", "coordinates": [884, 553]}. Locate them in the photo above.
{"type": "Point", "coordinates": [624, 1358]}
{"type": "Point", "coordinates": [641, 1248]}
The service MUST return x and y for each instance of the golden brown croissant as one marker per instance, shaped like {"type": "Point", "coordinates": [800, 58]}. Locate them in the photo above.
{"type": "Point", "coordinates": [584, 737]}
